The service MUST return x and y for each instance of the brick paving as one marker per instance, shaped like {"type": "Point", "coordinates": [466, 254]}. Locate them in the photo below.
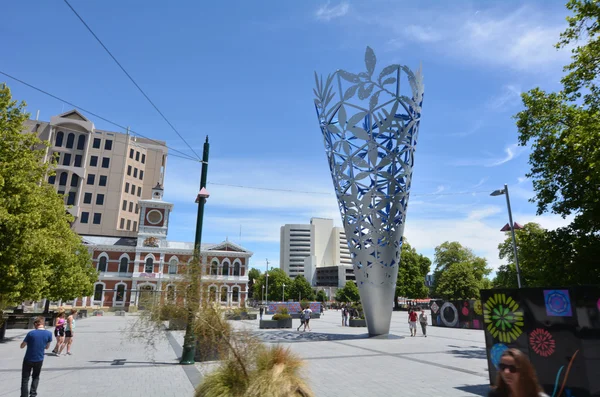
{"type": "Point", "coordinates": [340, 361]}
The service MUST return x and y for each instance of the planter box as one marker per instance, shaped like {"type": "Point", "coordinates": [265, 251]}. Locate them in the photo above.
{"type": "Point", "coordinates": [177, 325]}
{"type": "Point", "coordinates": [357, 323]}
{"type": "Point", "coordinates": [243, 316]}
{"type": "Point", "coordinates": [272, 324]}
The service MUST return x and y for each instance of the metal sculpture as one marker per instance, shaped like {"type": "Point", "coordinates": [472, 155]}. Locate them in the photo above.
{"type": "Point", "coordinates": [370, 135]}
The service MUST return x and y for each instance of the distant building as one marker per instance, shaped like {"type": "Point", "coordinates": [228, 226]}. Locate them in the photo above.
{"type": "Point", "coordinates": [102, 174]}
{"type": "Point", "coordinates": [429, 280]}
{"type": "Point", "coordinates": [318, 251]}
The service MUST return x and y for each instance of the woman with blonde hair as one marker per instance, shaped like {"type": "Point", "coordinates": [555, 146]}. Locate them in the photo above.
{"type": "Point", "coordinates": [516, 377]}
{"type": "Point", "coordinates": [69, 331]}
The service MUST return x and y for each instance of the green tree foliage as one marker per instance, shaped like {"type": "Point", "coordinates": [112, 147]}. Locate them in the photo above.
{"type": "Point", "coordinates": [452, 259]}
{"type": "Point", "coordinates": [348, 294]}
{"type": "Point", "coordinates": [301, 289]}
{"type": "Point", "coordinates": [253, 274]}
{"type": "Point", "coordinates": [277, 278]}
{"type": "Point", "coordinates": [411, 273]}
{"type": "Point", "coordinates": [40, 256]}
{"type": "Point", "coordinates": [321, 296]}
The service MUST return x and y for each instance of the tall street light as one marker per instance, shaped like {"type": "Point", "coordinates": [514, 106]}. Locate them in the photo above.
{"type": "Point", "coordinates": [267, 282]}
{"type": "Point", "coordinates": [283, 293]}
{"type": "Point", "coordinates": [501, 192]}
{"type": "Point", "coordinates": [189, 340]}
{"type": "Point", "coordinates": [263, 295]}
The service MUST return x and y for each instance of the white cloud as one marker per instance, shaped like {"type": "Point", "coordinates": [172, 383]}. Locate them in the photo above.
{"type": "Point", "coordinates": [327, 12]}
{"type": "Point", "coordinates": [423, 34]}
{"type": "Point", "coordinates": [512, 151]}
{"type": "Point", "coordinates": [510, 96]}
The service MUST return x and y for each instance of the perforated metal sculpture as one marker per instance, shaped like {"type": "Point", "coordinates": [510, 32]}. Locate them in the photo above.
{"type": "Point", "coordinates": [370, 135]}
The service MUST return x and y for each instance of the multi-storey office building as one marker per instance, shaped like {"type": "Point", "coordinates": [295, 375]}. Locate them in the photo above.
{"type": "Point", "coordinates": [102, 174]}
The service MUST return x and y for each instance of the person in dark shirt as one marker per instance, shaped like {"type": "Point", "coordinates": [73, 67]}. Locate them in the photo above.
{"type": "Point", "coordinates": [36, 341]}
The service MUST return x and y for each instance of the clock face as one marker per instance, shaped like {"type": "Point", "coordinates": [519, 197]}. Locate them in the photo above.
{"type": "Point", "coordinates": [154, 217]}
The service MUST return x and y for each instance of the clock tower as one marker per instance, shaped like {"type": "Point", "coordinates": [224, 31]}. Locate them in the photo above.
{"type": "Point", "coordinates": [154, 219]}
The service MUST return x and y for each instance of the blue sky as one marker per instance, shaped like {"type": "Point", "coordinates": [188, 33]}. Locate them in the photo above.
{"type": "Point", "coordinates": [242, 73]}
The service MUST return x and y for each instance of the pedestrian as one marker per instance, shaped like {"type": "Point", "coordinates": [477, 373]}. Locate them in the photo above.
{"type": "Point", "coordinates": [423, 322]}
{"type": "Point", "coordinates": [59, 331]}
{"type": "Point", "coordinates": [69, 332]}
{"type": "Point", "coordinates": [346, 315]}
{"type": "Point", "coordinates": [36, 341]}
{"type": "Point", "coordinates": [301, 320]}
{"type": "Point", "coordinates": [343, 315]}
{"type": "Point", "coordinates": [412, 322]}
{"type": "Point", "coordinates": [262, 310]}
{"type": "Point", "coordinates": [306, 315]}
{"type": "Point", "coordinates": [322, 310]}
{"type": "Point", "coordinates": [516, 377]}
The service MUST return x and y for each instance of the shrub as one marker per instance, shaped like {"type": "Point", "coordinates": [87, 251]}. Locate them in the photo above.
{"type": "Point", "coordinates": [304, 304]}
{"type": "Point", "coordinates": [282, 314]}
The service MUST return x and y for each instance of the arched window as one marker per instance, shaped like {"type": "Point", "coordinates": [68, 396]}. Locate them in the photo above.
{"type": "Point", "coordinates": [149, 265]}
{"type": "Point", "coordinates": [70, 140]}
{"type": "Point", "coordinates": [235, 294]}
{"type": "Point", "coordinates": [170, 293]}
{"type": "Point", "coordinates": [236, 269]}
{"type": "Point", "coordinates": [102, 264]}
{"type": "Point", "coordinates": [74, 180]}
{"type": "Point", "coordinates": [62, 181]}
{"type": "Point", "coordinates": [98, 292]}
{"type": "Point", "coordinates": [214, 269]}
{"type": "Point", "coordinates": [173, 266]}
{"type": "Point", "coordinates": [120, 293]}
{"type": "Point", "coordinates": [124, 265]}
{"type": "Point", "coordinates": [52, 179]}
{"type": "Point", "coordinates": [224, 294]}
{"type": "Point", "coordinates": [225, 268]}
{"type": "Point", "coordinates": [81, 142]}
{"type": "Point", "coordinates": [59, 138]}
{"type": "Point", "coordinates": [212, 295]}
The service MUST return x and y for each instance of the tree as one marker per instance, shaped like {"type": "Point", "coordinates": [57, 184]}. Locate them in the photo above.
{"type": "Point", "coordinates": [277, 278]}
{"type": "Point", "coordinates": [411, 273]}
{"type": "Point", "coordinates": [453, 253]}
{"type": "Point", "coordinates": [253, 274]}
{"type": "Point", "coordinates": [40, 256]}
{"type": "Point", "coordinates": [301, 289]}
{"type": "Point", "coordinates": [458, 281]}
{"type": "Point", "coordinates": [349, 293]}
{"type": "Point", "coordinates": [321, 296]}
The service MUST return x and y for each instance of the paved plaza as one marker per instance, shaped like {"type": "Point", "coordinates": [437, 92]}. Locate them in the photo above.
{"type": "Point", "coordinates": [340, 361]}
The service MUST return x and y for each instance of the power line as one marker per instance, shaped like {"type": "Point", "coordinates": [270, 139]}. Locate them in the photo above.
{"type": "Point", "coordinates": [185, 155]}
{"type": "Point", "coordinates": [131, 78]}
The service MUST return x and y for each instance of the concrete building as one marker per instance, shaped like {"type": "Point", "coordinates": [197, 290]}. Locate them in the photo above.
{"type": "Point", "coordinates": [316, 251]}
{"type": "Point", "coordinates": [102, 174]}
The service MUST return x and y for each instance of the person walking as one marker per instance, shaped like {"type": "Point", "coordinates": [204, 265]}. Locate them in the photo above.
{"type": "Point", "coordinates": [36, 341]}
{"type": "Point", "coordinates": [306, 315]}
{"type": "Point", "coordinates": [262, 310]}
{"type": "Point", "coordinates": [343, 315]}
{"type": "Point", "coordinates": [346, 315]}
{"type": "Point", "coordinates": [423, 322]}
{"type": "Point", "coordinates": [69, 331]}
{"type": "Point", "coordinates": [301, 320]}
{"type": "Point", "coordinates": [59, 331]}
{"type": "Point", "coordinates": [516, 377]}
{"type": "Point", "coordinates": [412, 322]}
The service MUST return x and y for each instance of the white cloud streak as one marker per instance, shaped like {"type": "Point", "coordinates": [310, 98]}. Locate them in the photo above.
{"type": "Point", "coordinates": [512, 151]}
{"type": "Point", "coordinates": [510, 96]}
{"type": "Point", "coordinates": [327, 13]}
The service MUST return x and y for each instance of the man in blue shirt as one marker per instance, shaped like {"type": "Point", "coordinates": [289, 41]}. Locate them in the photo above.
{"type": "Point", "coordinates": [36, 341]}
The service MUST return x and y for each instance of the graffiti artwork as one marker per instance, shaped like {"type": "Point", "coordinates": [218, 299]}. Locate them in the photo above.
{"type": "Point", "coordinates": [558, 302]}
{"type": "Point", "coordinates": [503, 317]}
{"type": "Point", "coordinates": [542, 342]}
{"type": "Point", "coordinates": [457, 314]}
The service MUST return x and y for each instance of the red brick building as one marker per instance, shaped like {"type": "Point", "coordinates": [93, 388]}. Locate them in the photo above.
{"type": "Point", "coordinates": [132, 268]}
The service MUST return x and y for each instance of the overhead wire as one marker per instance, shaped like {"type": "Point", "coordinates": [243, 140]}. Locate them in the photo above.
{"type": "Point", "coordinates": [183, 154]}
{"type": "Point", "coordinates": [131, 78]}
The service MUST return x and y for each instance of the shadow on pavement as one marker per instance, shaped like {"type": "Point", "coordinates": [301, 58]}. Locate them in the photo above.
{"type": "Point", "coordinates": [471, 353]}
{"type": "Point", "coordinates": [478, 390]}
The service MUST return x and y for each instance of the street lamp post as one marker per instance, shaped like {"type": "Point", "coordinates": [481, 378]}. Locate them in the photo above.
{"type": "Point", "coordinates": [512, 228]}
{"type": "Point", "coordinates": [263, 295]}
{"type": "Point", "coordinates": [267, 282]}
{"type": "Point", "coordinates": [189, 340]}
{"type": "Point", "coordinates": [283, 293]}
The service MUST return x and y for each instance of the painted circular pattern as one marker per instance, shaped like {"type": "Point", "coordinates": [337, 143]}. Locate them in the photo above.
{"type": "Point", "coordinates": [446, 322]}
{"type": "Point", "coordinates": [435, 307]}
{"type": "Point", "coordinates": [477, 308]}
{"type": "Point", "coordinates": [496, 353]}
{"type": "Point", "coordinates": [542, 342]}
{"type": "Point", "coordinates": [558, 303]}
{"type": "Point", "coordinates": [504, 318]}
{"type": "Point", "coordinates": [465, 309]}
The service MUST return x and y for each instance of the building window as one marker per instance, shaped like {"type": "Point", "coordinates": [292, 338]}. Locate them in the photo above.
{"type": "Point", "coordinates": [137, 156]}
{"type": "Point", "coordinates": [105, 162]}
{"type": "Point", "coordinates": [74, 180]}
{"type": "Point", "coordinates": [122, 225]}
{"type": "Point", "coordinates": [149, 268]}
{"type": "Point", "coordinates": [139, 191]}
{"type": "Point", "coordinates": [102, 264]}
{"type": "Point", "coordinates": [131, 153]}
{"type": "Point", "coordinates": [87, 198]}
{"type": "Point", "coordinates": [98, 289]}
{"type": "Point", "coordinates": [59, 138]}
{"type": "Point", "coordinates": [126, 187]}
{"type": "Point", "coordinates": [97, 218]}
{"type": "Point", "coordinates": [90, 179]}
{"type": "Point", "coordinates": [85, 216]}
{"type": "Point", "coordinates": [235, 294]}
{"type": "Point", "coordinates": [225, 269]}
{"type": "Point", "coordinates": [99, 199]}
{"type": "Point", "coordinates": [102, 181]}
{"type": "Point", "coordinates": [124, 208]}
{"type": "Point", "coordinates": [141, 175]}
{"type": "Point", "coordinates": [93, 161]}
{"type": "Point", "coordinates": [108, 144]}
{"type": "Point", "coordinates": [134, 226]}
{"type": "Point", "coordinates": [143, 158]}
{"type": "Point", "coordinates": [170, 293]}
{"type": "Point", "coordinates": [81, 142]}
{"type": "Point", "coordinates": [236, 269]}
{"type": "Point", "coordinates": [124, 265]}
{"type": "Point", "coordinates": [61, 192]}
{"type": "Point", "coordinates": [131, 206]}
{"type": "Point", "coordinates": [62, 181]}
{"type": "Point", "coordinates": [223, 294]}
{"type": "Point", "coordinates": [78, 159]}
{"type": "Point", "coordinates": [212, 293]}
{"type": "Point", "coordinates": [135, 170]}
{"type": "Point", "coordinates": [132, 189]}
{"type": "Point", "coordinates": [128, 224]}
{"type": "Point", "coordinates": [137, 208]}
{"type": "Point", "coordinates": [120, 293]}
{"type": "Point", "coordinates": [214, 269]}
{"type": "Point", "coordinates": [96, 144]}
{"type": "Point", "coordinates": [67, 159]}
{"type": "Point", "coordinates": [70, 140]}
{"type": "Point", "coordinates": [128, 170]}
{"type": "Point", "coordinates": [52, 179]}
{"type": "Point", "coordinates": [71, 198]}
